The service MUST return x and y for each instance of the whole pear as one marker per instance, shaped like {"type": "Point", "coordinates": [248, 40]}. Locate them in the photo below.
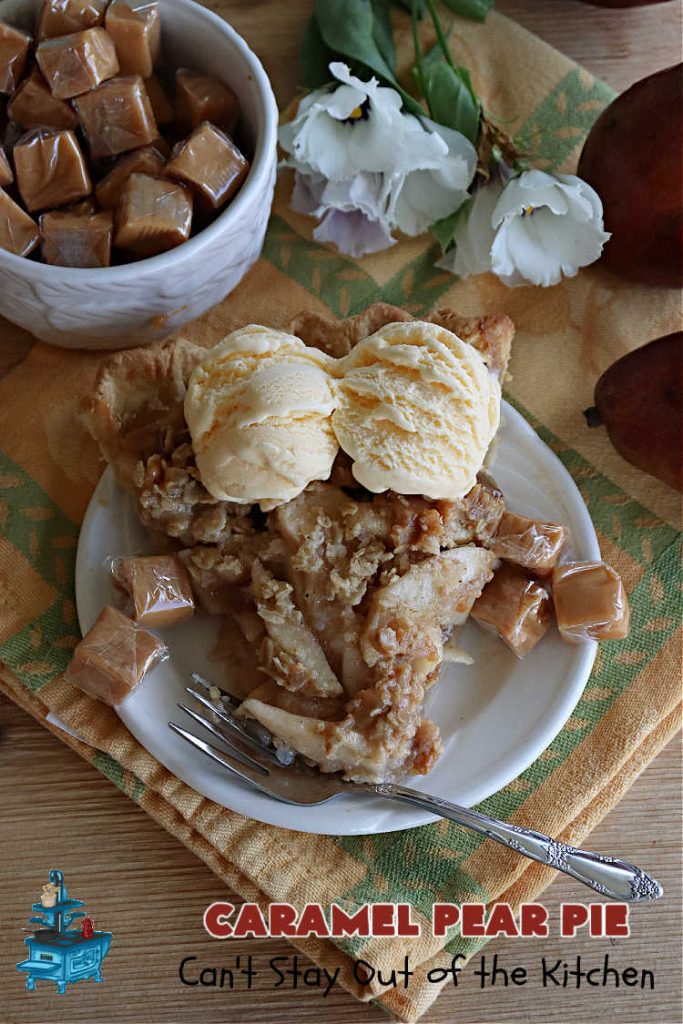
{"type": "Point", "coordinates": [633, 158]}
{"type": "Point", "coordinates": [639, 398]}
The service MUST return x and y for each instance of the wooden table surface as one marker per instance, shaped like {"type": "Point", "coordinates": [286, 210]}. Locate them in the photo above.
{"type": "Point", "coordinates": [151, 892]}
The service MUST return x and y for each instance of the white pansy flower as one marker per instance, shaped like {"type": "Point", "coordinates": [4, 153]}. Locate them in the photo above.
{"type": "Point", "coordinates": [535, 229]}
{"type": "Point", "coordinates": [365, 168]}
{"type": "Point", "coordinates": [357, 127]}
{"type": "Point", "coordinates": [547, 226]}
{"type": "Point", "coordinates": [418, 198]}
{"type": "Point", "coordinates": [350, 212]}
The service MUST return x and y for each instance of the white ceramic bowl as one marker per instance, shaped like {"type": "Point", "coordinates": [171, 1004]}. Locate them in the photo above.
{"type": "Point", "coordinates": [119, 307]}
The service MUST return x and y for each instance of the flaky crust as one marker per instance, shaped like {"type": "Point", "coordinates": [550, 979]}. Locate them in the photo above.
{"type": "Point", "coordinates": [490, 335]}
{"type": "Point", "coordinates": [138, 389]}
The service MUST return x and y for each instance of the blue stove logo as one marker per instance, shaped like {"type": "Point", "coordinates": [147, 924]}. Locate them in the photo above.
{"type": "Point", "coordinates": [57, 952]}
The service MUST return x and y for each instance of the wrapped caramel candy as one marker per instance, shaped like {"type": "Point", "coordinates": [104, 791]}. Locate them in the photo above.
{"type": "Point", "coordinates": [527, 542]}
{"type": "Point", "coordinates": [77, 239]}
{"type": "Point", "coordinates": [162, 107]}
{"type": "Point", "coordinates": [19, 233]}
{"type": "Point", "coordinates": [112, 659]}
{"type": "Point", "coordinates": [590, 602]}
{"type": "Point", "coordinates": [74, 64]}
{"type": "Point", "coordinates": [516, 608]}
{"type": "Point", "coordinates": [210, 163]}
{"type": "Point", "coordinates": [147, 160]}
{"type": "Point", "coordinates": [158, 586]}
{"type": "Point", "coordinates": [153, 215]}
{"type": "Point", "coordinates": [63, 17]}
{"type": "Point", "coordinates": [135, 27]}
{"type": "Point", "coordinates": [202, 97]}
{"type": "Point", "coordinates": [50, 169]}
{"type": "Point", "coordinates": [34, 106]}
{"type": "Point", "coordinates": [116, 117]}
{"type": "Point", "coordinates": [14, 50]}
{"type": "Point", "coordinates": [6, 176]}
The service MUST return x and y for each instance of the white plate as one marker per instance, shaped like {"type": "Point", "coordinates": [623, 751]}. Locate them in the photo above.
{"type": "Point", "coordinates": [495, 716]}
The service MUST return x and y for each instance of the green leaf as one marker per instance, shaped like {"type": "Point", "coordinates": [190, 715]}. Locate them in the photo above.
{"type": "Point", "coordinates": [315, 57]}
{"type": "Point", "coordinates": [444, 229]}
{"type": "Point", "coordinates": [382, 32]}
{"type": "Point", "coordinates": [476, 10]}
{"type": "Point", "coordinates": [347, 27]}
{"type": "Point", "coordinates": [452, 100]}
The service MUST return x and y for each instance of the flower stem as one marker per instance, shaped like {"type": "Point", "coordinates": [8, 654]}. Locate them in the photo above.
{"type": "Point", "coordinates": [440, 34]}
{"type": "Point", "coordinates": [418, 54]}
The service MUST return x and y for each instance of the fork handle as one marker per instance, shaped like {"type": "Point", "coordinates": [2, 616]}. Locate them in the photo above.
{"type": "Point", "coordinates": [608, 876]}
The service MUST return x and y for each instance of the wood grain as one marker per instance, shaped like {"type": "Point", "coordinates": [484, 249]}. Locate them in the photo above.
{"type": "Point", "coordinates": [151, 892]}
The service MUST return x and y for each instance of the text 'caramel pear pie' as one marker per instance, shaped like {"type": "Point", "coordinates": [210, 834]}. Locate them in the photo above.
{"type": "Point", "coordinates": [323, 490]}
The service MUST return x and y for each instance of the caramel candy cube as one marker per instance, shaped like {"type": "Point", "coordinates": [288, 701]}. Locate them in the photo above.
{"type": "Point", "coordinates": [77, 239]}
{"type": "Point", "coordinates": [19, 233]}
{"type": "Point", "coordinates": [14, 50]}
{"type": "Point", "coordinates": [153, 215]}
{"type": "Point", "coordinates": [162, 107]}
{"type": "Point", "coordinates": [6, 176]}
{"type": "Point", "coordinates": [211, 163]}
{"type": "Point", "coordinates": [159, 588]}
{"type": "Point", "coordinates": [590, 602]}
{"type": "Point", "coordinates": [63, 17]}
{"type": "Point", "coordinates": [77, 63]}
{"type": "Point", "coordinates": [527, 542]}
{"type": "Point", "coordinates": [116, 117]}
{"type": "Point", "coordinates": [147, 160]}
{"type": "Point", "coordinates": [516, 608]}
{"type": "Point", "coordinates": [135, 27]}
{"type": "Point", "coordinates": [201, 97]}
{"type": "Point", "coordinates": [111, 660]}
{"type": "Point", "coordinates": [50, 169]}
{"type": "Point", "coordinates": [34, 106]}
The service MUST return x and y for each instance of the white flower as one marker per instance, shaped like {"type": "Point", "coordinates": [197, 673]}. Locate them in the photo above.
{"type": "Point", "coordinates": [474, 236]}
{"type": "Point", "coordinates": [535, 229]}
{"type": "Point", "coordinates": [350, 212]}
{"type": "Point", "coordinates": [357, 127]}
{"type": "Point", "coordinates": [365, 168]}
{"type": "Point", "coordinates": [422, 196]}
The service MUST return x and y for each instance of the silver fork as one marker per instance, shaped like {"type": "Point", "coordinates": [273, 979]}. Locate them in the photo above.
{"type": "Point", "coordinates": [248, 755]}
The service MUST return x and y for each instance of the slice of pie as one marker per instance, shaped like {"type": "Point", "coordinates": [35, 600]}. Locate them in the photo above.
{"type": "Point", "coordinates": [339, 606]}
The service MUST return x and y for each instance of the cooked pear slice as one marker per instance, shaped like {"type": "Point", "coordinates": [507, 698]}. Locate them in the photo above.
{"type": "Point", "coordinates": [294, 658]}
{"type": "Point", "coordinates": [328, 709]}
{"type": "Point", "coordinates": [407, 616]}
{"type": "Point", "coordinates": [325, 743]}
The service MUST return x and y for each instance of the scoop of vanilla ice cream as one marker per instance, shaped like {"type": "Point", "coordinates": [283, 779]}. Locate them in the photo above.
{"type": "Point", "coordinates": [417, 410]}
{"type": "Point", "coordinates": [258, 408]}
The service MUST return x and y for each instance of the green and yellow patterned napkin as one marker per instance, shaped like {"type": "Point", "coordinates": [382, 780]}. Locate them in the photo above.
{"type": "Point", "coordinates": [566, 336]}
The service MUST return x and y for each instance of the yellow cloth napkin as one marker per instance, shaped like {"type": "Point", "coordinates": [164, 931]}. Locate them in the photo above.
{"type": "Point", "coordinates": [566, 336]}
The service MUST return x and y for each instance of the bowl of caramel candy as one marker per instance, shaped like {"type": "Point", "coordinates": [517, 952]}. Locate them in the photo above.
{"type": "Point", "coordinates": [137, 166]}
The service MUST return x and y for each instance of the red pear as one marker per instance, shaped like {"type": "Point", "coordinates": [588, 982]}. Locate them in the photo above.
{"type": "Point", "coordinates": [633, 159]}
{"type": "Point", "coordinates": [640, 401]}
